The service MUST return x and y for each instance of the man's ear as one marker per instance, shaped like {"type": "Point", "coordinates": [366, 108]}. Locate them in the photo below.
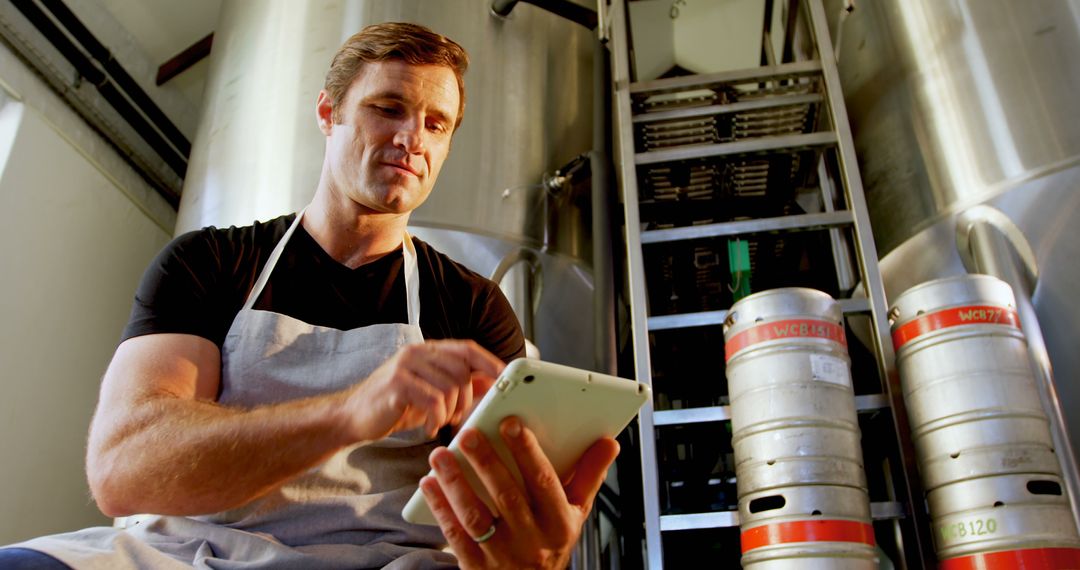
{"type": "Point", "coordinates": [324, 112]}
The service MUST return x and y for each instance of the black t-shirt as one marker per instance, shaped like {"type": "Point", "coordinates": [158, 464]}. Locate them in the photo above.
{"type": "Point", "coordinates": [200, 281]}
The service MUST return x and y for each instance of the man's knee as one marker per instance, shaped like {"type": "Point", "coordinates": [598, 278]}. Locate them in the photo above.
{"type": "Point", "coordinates": [26, 559]}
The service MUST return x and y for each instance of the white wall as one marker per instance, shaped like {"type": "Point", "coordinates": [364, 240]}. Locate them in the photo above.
{"type": "Point", "coordinates": [653, 35]}
{"type": "Point", "coordinates": [707, 36]}
{"type": "Point", "coordinates": [719, 35]}
{"type": "Point", "coordinates": [79, 226]}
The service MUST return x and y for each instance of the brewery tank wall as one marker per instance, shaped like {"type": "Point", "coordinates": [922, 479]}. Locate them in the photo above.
{"type": "Point", "coordinates": [965, 102]}
{"type": "Point", "coordinates": [258, 153]}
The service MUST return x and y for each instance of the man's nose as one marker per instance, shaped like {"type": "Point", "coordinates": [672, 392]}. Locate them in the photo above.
{"type": "Point", "coordinates": [410, 136]}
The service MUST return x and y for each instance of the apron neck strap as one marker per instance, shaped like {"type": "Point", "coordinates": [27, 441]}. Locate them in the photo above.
{"type": "Point", "coordinates": [412, 280]}
{"type": "Point", "coordinates": [408, 251]}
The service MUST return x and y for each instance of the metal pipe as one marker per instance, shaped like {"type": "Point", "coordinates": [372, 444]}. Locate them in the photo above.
{"type": "Point", "coordinates": [564, 8]}
{"type": "Point", "coordinates": [603, 32]}
{"type": "Point", "coordinates": [600, 162]}
{"type": "Point", "coordinates": [533, 285]}
{"type": "Point", "coordinates": [990, 244]}
{"type": "Point", "coordinates": [114, 85]}
{"type": "Point", "coordinates": [131, 89]}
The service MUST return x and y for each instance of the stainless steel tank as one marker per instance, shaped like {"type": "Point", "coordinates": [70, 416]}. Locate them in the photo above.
{"type": "Point", "coordinates": [965, 102]}
{"type": "Point", "coordinates": [803, 501]}
{"type": "Point", "coordinates": [258, 153]}
{"type": "Point", "coordinates": [982, 438]}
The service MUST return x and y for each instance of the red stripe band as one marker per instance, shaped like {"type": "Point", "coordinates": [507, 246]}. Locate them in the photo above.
{"type": "Point", "coordinates": [954, 317]}
{"type": "Point", "coordinates": [807, 531]}
{"type": "Point", "coordinates": [794, 328]}
{"type": "Point", "coordinates": [1029, 559]}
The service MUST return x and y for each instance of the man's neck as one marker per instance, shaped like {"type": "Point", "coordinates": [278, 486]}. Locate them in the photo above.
{"type": "Point", "coordinates": [352, 236]}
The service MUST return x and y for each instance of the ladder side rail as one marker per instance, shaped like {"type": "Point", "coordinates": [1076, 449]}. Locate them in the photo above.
{"type": "Point", "coordinates": [636, 268]}
{"type": "Point", "coordinates": [919, 521]}
{"type": "Point", "coordinates": [845, 270]}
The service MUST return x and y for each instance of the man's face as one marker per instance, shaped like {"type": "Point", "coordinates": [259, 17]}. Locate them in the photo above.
{"type": "Point", "coordinates": [396, 123]}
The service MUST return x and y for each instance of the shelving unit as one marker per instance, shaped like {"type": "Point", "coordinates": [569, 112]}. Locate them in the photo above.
{"type": "Point", "coordinates": [759, 160]}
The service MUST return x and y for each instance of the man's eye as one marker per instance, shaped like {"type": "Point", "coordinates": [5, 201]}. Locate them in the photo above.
{"type": "Point", "coordinates": [437, 127]}
{"type": "Point", "coordinates": [389, 111]}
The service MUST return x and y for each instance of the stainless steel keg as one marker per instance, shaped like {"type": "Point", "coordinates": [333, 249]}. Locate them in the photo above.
{"type": "Point", "coordinates": [982, 439]}
{"type": "Point", "coordinates": [802, 489]}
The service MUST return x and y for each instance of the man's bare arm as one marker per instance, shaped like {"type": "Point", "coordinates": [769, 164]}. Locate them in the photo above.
{"type": "Point", "coordinates": [159, 444]}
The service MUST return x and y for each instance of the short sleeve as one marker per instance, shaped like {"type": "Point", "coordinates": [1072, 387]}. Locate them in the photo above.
{"type": "Point", "coordinates": [176, 294]}
{"type": "Point", "coordinates": [496, 326]}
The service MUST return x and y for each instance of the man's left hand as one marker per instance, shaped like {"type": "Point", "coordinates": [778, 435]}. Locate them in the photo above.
{"type": "Point", "coordinates": [536, 526]}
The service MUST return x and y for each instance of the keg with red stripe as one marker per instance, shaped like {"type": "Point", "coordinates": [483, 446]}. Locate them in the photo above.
{"type": "Point", "coordinates": [802, 489]}
{"type": "Point", "coordinates": [981, 436]}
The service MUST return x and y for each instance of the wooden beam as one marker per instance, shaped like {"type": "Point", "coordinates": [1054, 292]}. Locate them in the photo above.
{"type": "Point", "coordinates": [185, 59]}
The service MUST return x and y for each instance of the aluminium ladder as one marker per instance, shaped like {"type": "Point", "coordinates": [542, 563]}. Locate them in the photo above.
{"type": "Point", "coordinates": [645, 145]}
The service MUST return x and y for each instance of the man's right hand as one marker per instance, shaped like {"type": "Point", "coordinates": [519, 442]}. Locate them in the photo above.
{"type": "Point", "coordinates": [159, 443]}
{"type": "Point", "coordinates": [426, 385]}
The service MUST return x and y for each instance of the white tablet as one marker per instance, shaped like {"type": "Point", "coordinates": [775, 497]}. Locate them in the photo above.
{"type": "Point", "coordinates": [567, 408]}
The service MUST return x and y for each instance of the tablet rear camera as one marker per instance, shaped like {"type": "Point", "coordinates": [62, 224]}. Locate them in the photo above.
{"type": "Point", "coordinates": [528, 379]}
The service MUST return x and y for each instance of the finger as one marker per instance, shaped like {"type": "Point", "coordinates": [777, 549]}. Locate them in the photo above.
{"type": "Point", "coordinates": [421, 404]}
{"type": "Point", "coordinates": [425, 363]}
{"type": "Point", "coordinates": [451, 364]}
{"type": "Point", "coordinates": [590, 472]}
{"type": "Point", "coordinates": [455, 369]}
{"type": "Point", "coordinates": [443, 370]}
{"type": "Point", "coordinates": [481, 383]}
{"type": "Point", "coordinates": [471, 398]}
{"type": "Point", "coordinates": [465, 547]}
{"type": "Point", "coordinates": [542, 483]}
{"type": "Point", "coordinates": [469, 510]}
{"type": "Point", "coordinates": [509, 498]}
{"type": "Point", "coordinates": [465, 404]}
{"type": "Point", "coordinates": [475, 356]}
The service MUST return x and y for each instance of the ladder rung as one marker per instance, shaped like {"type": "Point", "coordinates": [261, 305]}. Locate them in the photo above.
{"type": "Point", "coordinates": [864, 403]}
{"type": "Point", "coordinates": [721, 519]}
{"type": "Point", "coordinates": [716, 318]}
{"type": "Point", "coordinates": [855, 305]}
{"type": "Point", "coordinates": [727, 519]}
{"type": "Point", "coordinates": [741, 227]}
{"type": "Point", "coordinates": [764, 103]}
{"type": "Point", "coordinates": [687, 320]}
{"type": "Point", "coordinates": [887, 510]}
{"type": "Point", "coordinates": [765, 73]}
{"type": "Point", "coordinates": [871, 402]}
{"type": "Point", "coordinates": [692, 416]}
{"type": "Point", "coordinates": [746, 146]}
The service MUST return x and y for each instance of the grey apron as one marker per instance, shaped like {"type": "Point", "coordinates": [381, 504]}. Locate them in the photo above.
{"type": "Point", "coordinates": [342, 514]}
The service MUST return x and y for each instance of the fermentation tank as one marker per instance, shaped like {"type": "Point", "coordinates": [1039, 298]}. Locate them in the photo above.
{"type": "Point", "coordinates": [960, 103]}
{"type": "Point", "coordinates": [258, 152]}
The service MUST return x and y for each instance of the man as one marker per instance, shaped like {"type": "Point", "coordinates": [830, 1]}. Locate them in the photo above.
{"type": "Point", "coordinates": [281, 377]}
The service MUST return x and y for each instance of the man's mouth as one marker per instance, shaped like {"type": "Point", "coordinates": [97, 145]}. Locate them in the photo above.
{"type": "Point", "coordinates": [402, 167]}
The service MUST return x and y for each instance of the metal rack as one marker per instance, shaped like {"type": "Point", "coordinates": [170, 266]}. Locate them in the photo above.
{"type": "Point", "coordinates": [764, 155]}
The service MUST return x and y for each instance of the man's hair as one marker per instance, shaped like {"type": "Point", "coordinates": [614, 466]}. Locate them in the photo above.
{"type": "Point", "coordinates": [393, 41]}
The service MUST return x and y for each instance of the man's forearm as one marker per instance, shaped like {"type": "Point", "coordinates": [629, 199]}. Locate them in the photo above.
{"type": "Point", "coordinates": [180, 456]}
{"type": "Point", "coordinates": [158, 445]}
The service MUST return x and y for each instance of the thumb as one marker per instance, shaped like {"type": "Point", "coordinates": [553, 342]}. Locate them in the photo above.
{"type": "Point", "coordinates": [590, 472]}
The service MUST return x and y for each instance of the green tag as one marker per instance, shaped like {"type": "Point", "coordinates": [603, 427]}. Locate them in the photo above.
{"type": "Point", "coordinates": [739, 266]}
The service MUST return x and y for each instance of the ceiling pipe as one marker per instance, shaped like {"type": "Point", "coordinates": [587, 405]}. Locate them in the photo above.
{"type": "Point", "coordinates": [94, 64]}
{"type": "Point", "coordinates": [123, 79]}
{"type": "Point", "coordinates": [564, 8]}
